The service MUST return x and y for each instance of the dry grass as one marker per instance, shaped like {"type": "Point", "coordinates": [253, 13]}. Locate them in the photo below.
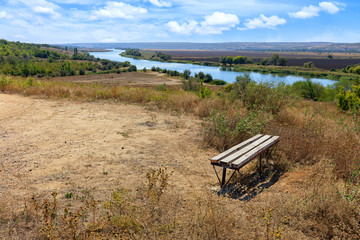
{"type": "Point", "coordinates": [318, 143]}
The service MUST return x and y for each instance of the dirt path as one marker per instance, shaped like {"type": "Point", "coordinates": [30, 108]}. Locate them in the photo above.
{"type": "Point", "coordinates": [51, 145]}
{"type": "Point", "coordinates": [148, 78]}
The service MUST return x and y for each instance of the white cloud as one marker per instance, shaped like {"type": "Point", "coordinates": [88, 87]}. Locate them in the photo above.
{"type": "Point", "coordinates": [217, 23]}
{"type": "Point", "coordinates": [219, 18]}
{"type": "Point", "coordinates": [119, 10]}
{"type": "Point", "coordinates": [306, 12]}
{"type": "Point", "coordinates": [185, 28]}
{"type": "Point", "coordinates": [329, 7]}
{"type": "Point", "coordinates": [19, 36]}
{"type": "Point", "coordinates": [263, 22]}
{"type": "Point", "coordinates": [160, 3]}
{"type": "Point", "coordinates": [212, 24]}
{"type": "Point", "coordinates": [3, 14]}
{"type": "Point", "coordinates": [39, 6]}
{"type": "Point", "coordinates": [109, 40]}
{"type": "Point", "coordinates": [45, 10]}
{"type": "Point", "coordinates": [313, 11]}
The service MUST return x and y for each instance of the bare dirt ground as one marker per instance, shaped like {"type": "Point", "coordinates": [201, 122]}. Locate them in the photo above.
{"type": "Point", "coordinates": [148, 78]}
{"type": "Point", "coordinates": [71, 147]}
{"type": "Point", "coordinates": [60, 145]}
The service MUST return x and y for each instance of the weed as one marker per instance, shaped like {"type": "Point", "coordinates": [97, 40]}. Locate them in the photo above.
{"type": "Point", "coordinates": [69, 195]}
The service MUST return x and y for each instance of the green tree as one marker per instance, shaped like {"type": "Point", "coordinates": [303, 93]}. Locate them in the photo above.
{"type": "Point", "coordinates": [186, 73]}
{"type": "Point", "coordinates": [208, 78]}
{"type": "Point", "coordinates": [309, 65]}
{"type": "Point", "coordinates": [264, 61]}
{"type": "Point", "coordinates": [201, 75]}
{"type": "Point", "coordinates": [229, 60]}
{"type": "Point", "coordinates": [274, 59]}
{"type": "Point", "coordinates": [223, 60]}
{"type": "Point", "coordinates": [240, 60]}
{"type": "Point", "coordinates": [282, 61]}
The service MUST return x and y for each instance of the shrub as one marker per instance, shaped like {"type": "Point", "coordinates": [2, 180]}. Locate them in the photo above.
{"type": "Point", "coordinates": [240, 85]}
{"type": "Point", "coordinates": [349, 100]}
{"type": "Point", "coordinates": [309, 90]}
{"type": "Point", "coordinates": [218, 82]}
{"type": "Point", "coordinates": [4, 82]}
{"type": "Point", "coordinates": [224, 129]}
{"type": "Point", "coordinates": [309, 65]}
{"type": "Point", "coordinates": [267, 97]}
{"type": "Point", "coordinates": [228, 87]}
{"type": "Point", "coordinates": [190, 84]}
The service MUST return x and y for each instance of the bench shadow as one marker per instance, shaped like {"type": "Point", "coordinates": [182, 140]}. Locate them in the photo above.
{"type": "Point", "coordinates": [247, 187]}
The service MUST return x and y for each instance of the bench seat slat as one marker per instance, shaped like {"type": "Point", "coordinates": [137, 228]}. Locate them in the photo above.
{"type": "Point", "coordinates": [254, 152]}
{"type": "Point", "coordinates": [235, 148]}
{"type": "Point", "coordinates": [244, 150]}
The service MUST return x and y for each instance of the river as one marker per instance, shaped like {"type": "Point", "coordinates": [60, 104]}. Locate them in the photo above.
{"type": "Point", "coordinates": [228, 76]}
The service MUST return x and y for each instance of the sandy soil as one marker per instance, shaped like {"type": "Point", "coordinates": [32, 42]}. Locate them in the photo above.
{"type": "Point", "coordinates": [148, 78]}
{"type": "Point", "coordinates": [57, 145]}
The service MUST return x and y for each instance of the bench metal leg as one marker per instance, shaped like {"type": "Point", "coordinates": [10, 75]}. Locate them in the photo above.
{"type": "Point", "coordinates": [223, 181]}
{"type": "Point", "coordinates": [260, 166]}
{"type": "Point", "coordinates": [223, 177]}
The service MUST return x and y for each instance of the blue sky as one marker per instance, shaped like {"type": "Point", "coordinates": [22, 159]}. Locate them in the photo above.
{"type": "Point", "coordinates": [74, 21]}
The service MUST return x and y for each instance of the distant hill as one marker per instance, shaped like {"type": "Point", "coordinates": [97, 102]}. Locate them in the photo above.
{"type": "Point", "coordinates": [232, 46]}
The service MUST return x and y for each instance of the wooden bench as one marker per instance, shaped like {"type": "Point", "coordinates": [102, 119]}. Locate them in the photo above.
{"type": "Point", "coordinates": [241, 154]}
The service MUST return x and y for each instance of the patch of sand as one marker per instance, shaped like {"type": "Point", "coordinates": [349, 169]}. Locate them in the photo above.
{"type": "Point", "coordinates": [60, 145]}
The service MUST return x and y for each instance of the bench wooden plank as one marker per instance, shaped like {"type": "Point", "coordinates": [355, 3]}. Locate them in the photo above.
{"type": "Point", "coordinates": [235, 148]}
{"type": "Point", "coordinates": [255, 152]}
{"type": "Point", "coordinates": [244, 150]}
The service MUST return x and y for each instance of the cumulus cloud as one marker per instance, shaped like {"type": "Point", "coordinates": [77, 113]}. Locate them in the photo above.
{"type": "Point", "coordinates": [219, 18]}
{"type": "Point", "coordinates": [330, 7]}
{"type": "Point", "coordinates": [185, 28]}
{"type": "Point", "coordinates": [306, 12]}
{"type": "Point", "coordinates": [212, 24]}
{"type": "Point", "coordinates": [39, 6]}
{"type": "Point", "coordinates": [109, 40]}
{"type": "Point", "coordinates": [119, 10]}
{"type": "Point", "coordinates": [314, 11]}
{"type": "Point", "coordinates": [159, 3]}
{"type": "Point", "coordinates": [3, 14]}
{"type": "Point", "coordinates": [263, 22]}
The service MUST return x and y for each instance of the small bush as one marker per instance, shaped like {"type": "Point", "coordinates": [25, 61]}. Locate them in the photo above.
{"type": "Point", "coordinates": [309, 90]}
{"type": "Point", "coordinates": [349, 100]}
{"type": "Point", "coordinates": [267, 97]}
{"type": "Point", "coordinates": [218, 82]}
{"type": "Point", "coordinates": [224, 129]}
{"type": "Point", "coordinates": [190, 84]}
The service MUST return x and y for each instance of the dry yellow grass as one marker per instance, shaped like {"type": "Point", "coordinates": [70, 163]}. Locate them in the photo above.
{"type": "Point", "coordinates": [311, 190]}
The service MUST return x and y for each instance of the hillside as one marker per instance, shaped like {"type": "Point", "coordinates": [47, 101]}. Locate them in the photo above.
{"type": "Point", "coordinates": [42, 60]}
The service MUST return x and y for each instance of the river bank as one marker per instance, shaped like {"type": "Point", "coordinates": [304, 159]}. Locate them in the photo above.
{"type": "Point", "coordinates": [216, 72]}
{"type": "Point", "coordinates": [313, 72]}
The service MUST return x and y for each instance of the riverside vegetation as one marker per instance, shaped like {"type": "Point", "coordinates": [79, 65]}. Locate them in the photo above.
{"type": "Point", "coordinates": [319, 133]}
{"type": "Point", "coordinates": [274, 64]}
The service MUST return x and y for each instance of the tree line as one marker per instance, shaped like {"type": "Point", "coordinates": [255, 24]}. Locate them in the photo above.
{"type": "Point", "coordinates": [275, 60]}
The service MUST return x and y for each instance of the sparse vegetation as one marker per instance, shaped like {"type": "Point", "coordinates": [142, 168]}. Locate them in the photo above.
{"type": "Point", "coordinates": [319, 142]}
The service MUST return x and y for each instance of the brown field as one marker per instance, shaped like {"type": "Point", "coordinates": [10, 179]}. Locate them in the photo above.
{"type": "Point", "coordinates": [252, 54]}
{"type": "Point", "coordinates": [340, 60]}
{"type": "Point", "coordinates": [124, 79]}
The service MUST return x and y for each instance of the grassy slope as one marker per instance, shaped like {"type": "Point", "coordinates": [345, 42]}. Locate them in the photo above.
{"type": "Point", "coordinates": [318, 144]}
